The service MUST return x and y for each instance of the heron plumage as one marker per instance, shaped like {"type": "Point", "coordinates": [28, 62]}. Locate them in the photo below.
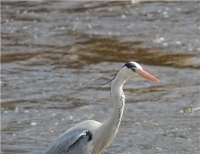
{"type": "Point", "coordinates": [92, 137]}
{"type": "Point", "coordinates": [75, 140]}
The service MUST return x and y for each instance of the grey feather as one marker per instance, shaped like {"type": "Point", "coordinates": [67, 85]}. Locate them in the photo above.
{"type": "Point", "coordinates": [73, 141]}
{"type": "Point", "coordinates": [64, 144]}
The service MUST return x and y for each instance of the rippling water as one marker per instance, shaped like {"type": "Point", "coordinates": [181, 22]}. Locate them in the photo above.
{"type": "Point", "coordinates": [54, 55]}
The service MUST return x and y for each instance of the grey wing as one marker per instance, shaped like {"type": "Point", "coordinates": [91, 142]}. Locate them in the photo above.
{"type": "Point", "coordinates": [71, 142]}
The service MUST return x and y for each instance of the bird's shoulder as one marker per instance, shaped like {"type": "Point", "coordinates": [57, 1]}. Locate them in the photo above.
{"type": "Point", "coordinates": [77, 136]}
{"type": "Point", "coordinates": [92, 125]}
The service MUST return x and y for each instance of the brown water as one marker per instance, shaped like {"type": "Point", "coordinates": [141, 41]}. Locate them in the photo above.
{"type": "Point", "coordinates": [54, 55]}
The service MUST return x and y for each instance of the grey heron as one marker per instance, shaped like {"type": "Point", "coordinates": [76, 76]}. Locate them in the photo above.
{"type": "Point", "coordinates": [92, 137]}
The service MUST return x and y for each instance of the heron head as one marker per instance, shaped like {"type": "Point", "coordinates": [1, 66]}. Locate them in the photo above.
{"type": "Point", "coordinates": [133, 71]}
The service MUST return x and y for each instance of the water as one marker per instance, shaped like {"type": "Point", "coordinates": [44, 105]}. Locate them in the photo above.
{"type": "Point", "coordinates": [54, 55]}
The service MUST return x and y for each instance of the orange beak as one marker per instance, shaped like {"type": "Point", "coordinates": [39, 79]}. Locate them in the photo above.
{"type": "Point", "coordinates": [148, 76]}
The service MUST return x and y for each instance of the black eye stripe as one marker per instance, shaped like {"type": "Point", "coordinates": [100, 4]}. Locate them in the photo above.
{"type": "Point", "coordinates": [130, 65]}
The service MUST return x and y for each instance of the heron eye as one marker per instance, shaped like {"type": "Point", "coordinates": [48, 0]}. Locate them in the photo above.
{"type": "Point", "coordinates": [133, 69]}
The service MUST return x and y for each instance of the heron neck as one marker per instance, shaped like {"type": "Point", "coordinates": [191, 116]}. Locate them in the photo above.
{"type": "Point", "coordinates": [118, 97]}
{"type": "Point", "coordinates": [107, 132]}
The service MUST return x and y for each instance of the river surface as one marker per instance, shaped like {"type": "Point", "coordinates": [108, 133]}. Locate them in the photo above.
{"type": "Point", "coordinates": [54, 55]}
